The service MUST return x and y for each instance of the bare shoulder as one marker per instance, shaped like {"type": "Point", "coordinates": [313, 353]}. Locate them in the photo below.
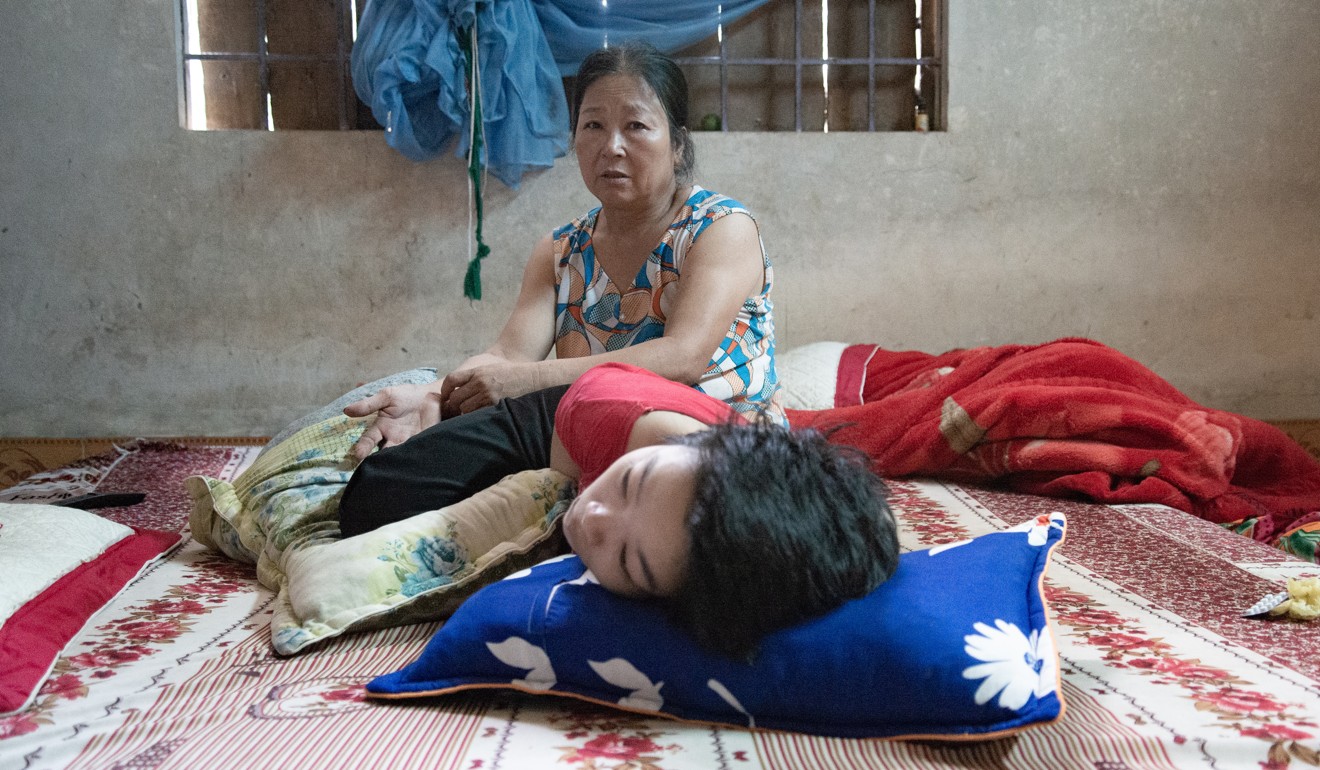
{"type": "Point", "coordinates": [736, 225]}
{"type": "Point", "coordinates": [543, 253]}
{"type": "Point", "coordinates": [539, 272]}
{"type": "Point", "coordinates": [731, 248]}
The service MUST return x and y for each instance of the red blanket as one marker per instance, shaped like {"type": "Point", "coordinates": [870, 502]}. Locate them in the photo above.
{"type": "Point", "coordinates": [1071, 417]}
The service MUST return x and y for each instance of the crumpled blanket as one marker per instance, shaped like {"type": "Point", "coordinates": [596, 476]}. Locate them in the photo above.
{"type": "Point", "coordinates": [1071, 418]}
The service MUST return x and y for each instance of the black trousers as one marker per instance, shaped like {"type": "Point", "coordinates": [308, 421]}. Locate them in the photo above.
{"type": "Point", "coordinates": [450, 461]}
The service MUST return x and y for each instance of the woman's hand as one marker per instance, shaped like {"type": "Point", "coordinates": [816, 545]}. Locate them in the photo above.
{"type": "Point", "coordinates": [470, 389]}
{"type": "Point", "coordinates": [402, 411]}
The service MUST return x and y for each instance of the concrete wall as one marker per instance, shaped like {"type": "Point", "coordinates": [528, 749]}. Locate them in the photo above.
{"type": "Point", "coordinates": [1144, 173]}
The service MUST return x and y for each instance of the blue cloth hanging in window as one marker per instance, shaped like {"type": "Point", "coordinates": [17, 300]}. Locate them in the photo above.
{"type": "Point", "coordinates": [575, 28]}
{"type": "Point", "coordinates": [408, 66]}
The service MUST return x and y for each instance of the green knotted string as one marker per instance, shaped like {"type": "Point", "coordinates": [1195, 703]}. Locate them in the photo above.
{"type": "Point", "coordinates": [472, 280]}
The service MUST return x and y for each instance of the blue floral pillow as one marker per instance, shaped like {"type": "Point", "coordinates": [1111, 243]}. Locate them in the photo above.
{"type": "Point", "coordinates": [957, 642]}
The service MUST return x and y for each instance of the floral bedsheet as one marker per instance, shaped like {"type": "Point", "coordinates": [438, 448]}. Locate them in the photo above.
{"type": "Point", "coordinates": [1159, 670]}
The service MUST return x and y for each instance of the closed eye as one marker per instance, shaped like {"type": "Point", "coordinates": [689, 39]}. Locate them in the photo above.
{"type": "Point", "coordinates": [641, 477]}
{"type": "Point", "coordinates": [646, 471]}
{"type": "Point", "coordinates": [646, 587]}
{"type": "Point", "coordinates": [623, 564]}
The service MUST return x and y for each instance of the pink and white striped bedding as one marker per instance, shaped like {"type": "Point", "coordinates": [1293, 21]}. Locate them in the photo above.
{"type": "Point", "coordinates": [1159, 671]}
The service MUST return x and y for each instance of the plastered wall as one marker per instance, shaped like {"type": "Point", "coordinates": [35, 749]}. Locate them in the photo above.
{"type": "Point", "coordinates": [1144, 173]}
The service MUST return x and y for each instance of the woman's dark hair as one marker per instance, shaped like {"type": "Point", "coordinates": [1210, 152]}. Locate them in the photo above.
{"type": "Point", "coordinates": [642, 60]}
{"type": "Point", "coordinates": [784, 526]}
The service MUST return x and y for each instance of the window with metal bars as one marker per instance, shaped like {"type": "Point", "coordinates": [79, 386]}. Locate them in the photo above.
{"type": "Point", "coordinates": [791, 65]}
{"type": "Point", "coordinates": [269, 64]}
{"type": "Point", "coordinates": [822, 65]}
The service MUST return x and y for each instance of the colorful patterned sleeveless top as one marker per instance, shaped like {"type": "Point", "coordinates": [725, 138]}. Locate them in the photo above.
{"type": "Point", "coordinates": [594, 315]}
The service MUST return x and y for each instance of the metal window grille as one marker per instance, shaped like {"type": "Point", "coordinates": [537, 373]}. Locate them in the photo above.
{"type": "Point", "coordinates": [269, 64]}
{"type": "Point", "coordinates": [897, 44]}
{"type": "Point", "coordinates": [792, 65]}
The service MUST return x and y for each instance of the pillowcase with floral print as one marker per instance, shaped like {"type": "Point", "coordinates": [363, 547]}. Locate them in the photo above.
{"type": "Point", "coordinates": [957, 644]}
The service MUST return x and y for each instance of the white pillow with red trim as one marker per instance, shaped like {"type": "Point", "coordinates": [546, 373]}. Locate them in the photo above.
{"type": "Point", "coordinates": [58, 568]}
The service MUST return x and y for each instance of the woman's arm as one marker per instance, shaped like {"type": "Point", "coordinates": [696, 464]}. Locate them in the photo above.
{"type": "Point", "coordinates": [721, 270]}
{"type": "Point", "coordinates": [403, 411]}
{"type": "Point", "coordinates": [511, 366]}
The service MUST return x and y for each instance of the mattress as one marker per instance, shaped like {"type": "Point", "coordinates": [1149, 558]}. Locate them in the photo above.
{"type": "Point", "coordinates": [1160, 669]}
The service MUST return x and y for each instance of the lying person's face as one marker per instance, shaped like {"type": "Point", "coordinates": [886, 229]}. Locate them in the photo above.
{"type": "Point", "coordinates": [629, 526]}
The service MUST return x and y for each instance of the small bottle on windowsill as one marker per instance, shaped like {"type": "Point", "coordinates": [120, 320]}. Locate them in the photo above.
{"type": "Point", "coordinates": [920, 118]}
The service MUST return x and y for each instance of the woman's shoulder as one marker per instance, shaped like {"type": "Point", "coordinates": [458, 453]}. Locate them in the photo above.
{"type": "Point", "coordinates": [580, 224]}
{"type": "Point", "coordinates": [706, 206]}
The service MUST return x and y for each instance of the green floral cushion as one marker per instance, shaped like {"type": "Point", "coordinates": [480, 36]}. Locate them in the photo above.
{"type": "Point", "coordinates": [282, 515]}
{"type": "Point", "coordinates": [421, 568]}
{"type": "Point", "coordinates": [289, 496]}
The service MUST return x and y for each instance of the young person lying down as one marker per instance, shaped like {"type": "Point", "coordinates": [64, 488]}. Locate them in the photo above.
{"type": "Point", "coordinates": [739, 528]}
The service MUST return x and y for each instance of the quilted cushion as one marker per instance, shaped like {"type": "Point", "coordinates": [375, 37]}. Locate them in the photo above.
{"type": "Point", "coordinates": [282, 514]}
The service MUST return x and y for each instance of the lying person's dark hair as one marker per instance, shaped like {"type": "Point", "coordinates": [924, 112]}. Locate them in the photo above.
{"type": "Point", "coordinates": [784, 526]}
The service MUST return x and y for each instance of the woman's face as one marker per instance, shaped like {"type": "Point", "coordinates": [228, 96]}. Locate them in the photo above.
{"type": "Point", "coordinates": [623, 144]}
{"type": "Point", "coordinates": [629, 526]}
